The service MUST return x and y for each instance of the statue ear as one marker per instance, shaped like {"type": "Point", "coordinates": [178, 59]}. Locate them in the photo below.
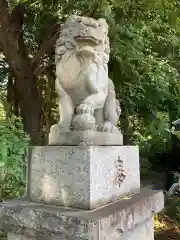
{"type": "Point", "coordinates": [103, 23]}
{"type": "Point", "coordinates": [71, 19]}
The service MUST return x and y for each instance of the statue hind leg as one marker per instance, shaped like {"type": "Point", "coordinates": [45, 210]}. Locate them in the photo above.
{"type": "Point", "coordinates": [111, 110]}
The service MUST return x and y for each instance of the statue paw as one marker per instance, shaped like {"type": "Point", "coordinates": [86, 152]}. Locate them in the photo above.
{"type": "Point", "coordinates": [54, 128]}
{"type": "Point", "coordinates": [85, 109]}
{"type": "Point", "coordinates": [107, 127]}
{"type": "Point", "coordinates": [59, 128]}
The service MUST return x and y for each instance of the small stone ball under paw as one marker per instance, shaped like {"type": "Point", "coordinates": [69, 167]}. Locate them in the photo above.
{"type": "Point", "coordinates": [85, 109]}
{"type": "Point", "coordinates": [83, 122]}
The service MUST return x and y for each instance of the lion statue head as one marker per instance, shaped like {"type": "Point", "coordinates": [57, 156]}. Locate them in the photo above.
{"type": "Point", "coordinates": [85, 37]}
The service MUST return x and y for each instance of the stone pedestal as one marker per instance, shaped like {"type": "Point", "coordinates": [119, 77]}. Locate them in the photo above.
{"type": "Point", "coordinates": [84, 177]}
{"type": "Point", "coordinates": [130, 219]}
{"type": "Point", "coordinates": [82, 193]}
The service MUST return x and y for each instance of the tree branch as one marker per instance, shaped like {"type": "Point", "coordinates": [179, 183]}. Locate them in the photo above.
{"type": "Point", "coordinates": [42, 68]}
{"type": "Point", "coordinates": [4, 12]}
{"type": "Point", "coordinates": [17, 16]}
{"type": "Point", "coordinates": [46, 46]}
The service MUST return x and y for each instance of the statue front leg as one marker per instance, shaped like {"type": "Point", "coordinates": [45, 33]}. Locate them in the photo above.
{"type": "Point", "coordinates": [99, 115]}
{"type": "Point", "coordinates": [66, 110]}
{"type": "Point", "coordinates": [96, 85]}
{"type": "Point", "coordinates": [95, 101]}
{"type": "Point", "coordinates": [85, 120]}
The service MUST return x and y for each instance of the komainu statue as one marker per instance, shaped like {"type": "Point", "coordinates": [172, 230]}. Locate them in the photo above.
{"type": "Point", "coordinates": [87, 99]}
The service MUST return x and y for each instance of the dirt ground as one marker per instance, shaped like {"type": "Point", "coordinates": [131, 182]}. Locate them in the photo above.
{"type": "Point", "coordinates": [166, 229]}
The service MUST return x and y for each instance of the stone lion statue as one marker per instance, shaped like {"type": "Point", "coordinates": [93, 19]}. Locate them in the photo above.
{"type": "Point", "coordinates": [87, 99]}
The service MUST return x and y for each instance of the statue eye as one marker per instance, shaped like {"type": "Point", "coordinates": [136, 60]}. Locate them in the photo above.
{"type": "Point", "coordinates": [83, 32]}
{"type": "Point", "coordinates": [60, 50]}
{"type": "Point", "coordinates": [69, 33]}
{"type": "Point", "coordinates": [60, 41]}
{"type": "Point", "coordinates": [69, 45]}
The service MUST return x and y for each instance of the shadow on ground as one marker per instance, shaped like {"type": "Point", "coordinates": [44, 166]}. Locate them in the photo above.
{"type": "Point", "coordinates": [167, 235]}
{"type": "Point", "coordinates": [167, 227]}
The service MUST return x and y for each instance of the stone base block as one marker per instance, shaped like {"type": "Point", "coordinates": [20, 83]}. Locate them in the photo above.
{"type": "Point", "coordinates": [128, 219]}
{"type": "Point", "coordinates": [84, 177]}
{"type": "Point", "coordinates": [144, 231]}
{"type": "Point", "coordinates": [91, 138]}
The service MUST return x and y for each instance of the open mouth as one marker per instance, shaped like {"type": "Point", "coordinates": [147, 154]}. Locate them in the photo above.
{"type": "Point", "coordinates": [91, 41]}
{"type": "Point", "coordinates": [86, 51]}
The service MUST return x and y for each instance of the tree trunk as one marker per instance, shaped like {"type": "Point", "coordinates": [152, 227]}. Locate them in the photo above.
{"type": "Point", "coordinates": [30, 109]}
{"type": "Point", "coordinates": [125, 126]}
{"type": "Point", "coordinates": [16, 107]}
{"type": "Point", "coordinates": [16, 53]}
{"type": "Point", "coordinates": [13, 105]}
{"type": "Point", "coordinates": [27, 94]}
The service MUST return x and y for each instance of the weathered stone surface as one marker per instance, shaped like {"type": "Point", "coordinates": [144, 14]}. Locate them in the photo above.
{"type": "Point", "coordinates": [12, 236]}
{"type": "Point", "coordinates": [87, 98]}
{"type": "Point", "coordinates": [91, 138]}
{"type": "Point", "coordinates": [144, 231]}
{"type": "Point", "coordinates": [83, 177]}
{"type": "Point", "coordinates": [120, 220]}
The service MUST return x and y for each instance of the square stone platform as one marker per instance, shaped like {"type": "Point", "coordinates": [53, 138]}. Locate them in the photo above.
{"type": "Point", "coordinates": [128, 219]}
{"type": "Point", "coordinates": [90, 138]}
{"type": "Point", "coordinates": [85, 177]}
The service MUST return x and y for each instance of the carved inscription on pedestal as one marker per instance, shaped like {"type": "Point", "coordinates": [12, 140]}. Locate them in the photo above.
{"type": "Point", "coordinates": [120, 176]}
